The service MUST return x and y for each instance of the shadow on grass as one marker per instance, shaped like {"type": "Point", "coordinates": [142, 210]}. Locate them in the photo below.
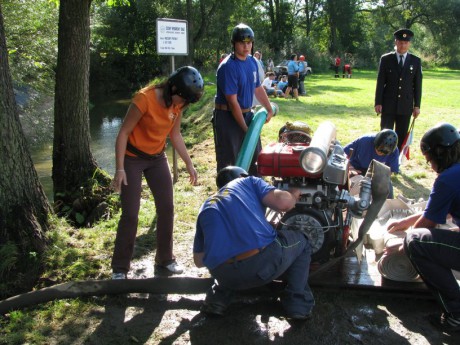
{"type": "Point", "coordinates": [409, 187]}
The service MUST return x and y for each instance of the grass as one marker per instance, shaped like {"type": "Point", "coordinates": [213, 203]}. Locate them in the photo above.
{"type": "Point", "coordinates": [85, 253]}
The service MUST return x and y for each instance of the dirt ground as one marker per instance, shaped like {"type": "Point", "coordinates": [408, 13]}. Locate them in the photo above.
{"type": "Point", "coordinates": [343, 316]}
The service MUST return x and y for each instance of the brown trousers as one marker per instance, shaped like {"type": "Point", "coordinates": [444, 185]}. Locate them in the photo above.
{"type": "Point", "coordinates": [158, 177]}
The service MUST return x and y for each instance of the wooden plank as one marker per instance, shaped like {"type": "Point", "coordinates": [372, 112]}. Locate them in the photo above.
{"type": "Point", "coordinates": [348, 273]}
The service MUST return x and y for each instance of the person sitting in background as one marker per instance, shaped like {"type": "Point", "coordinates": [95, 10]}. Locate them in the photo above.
{"type": "Point", "coordinates": [242, 250]}
{"type": "Point", "coordinates": [282, 83]}
{"type": "Point", "coordinates": [435, 252]}
{"type": "Point", "coordinates": [381, 146]}
{"type": "Point", "coordinates": [267, 84]}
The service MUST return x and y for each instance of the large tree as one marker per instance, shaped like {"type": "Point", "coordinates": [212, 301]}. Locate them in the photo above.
{"type": "Point", "coordinates": [24, 208]}
{"type": "Point", "coordinates": [73, 164]}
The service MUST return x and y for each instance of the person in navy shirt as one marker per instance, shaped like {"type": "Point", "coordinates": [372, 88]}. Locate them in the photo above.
{"type": "Point", "coordinates": [242, 250]}
{"type": "Point", "coordinates": [381, 146]}
{"type": "Point", "coordinates": [435, 252]}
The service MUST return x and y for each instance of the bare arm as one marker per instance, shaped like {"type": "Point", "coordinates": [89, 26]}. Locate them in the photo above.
{"type": "Point", "coordinates": [280, 200]}
{"type": "Point", "coordinates": [262, 97]}
{"type": "Point", "coordinates": [232, 101]}
{"type": "Point", "coordinates": [178, 142]}
{"type": "Point", "coordinates": [132, 117]}
{"type": "Point", "coordinates": [415, 220]}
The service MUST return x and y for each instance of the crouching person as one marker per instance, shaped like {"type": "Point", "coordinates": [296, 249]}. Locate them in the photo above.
{"type": "Point", "coordinates": [242, 250]}
{"type": "Point", "coordinates": [435, 252]}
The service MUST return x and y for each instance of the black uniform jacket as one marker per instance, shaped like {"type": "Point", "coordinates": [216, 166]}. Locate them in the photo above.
{"type": "Point", "coordinates": [399, 91]}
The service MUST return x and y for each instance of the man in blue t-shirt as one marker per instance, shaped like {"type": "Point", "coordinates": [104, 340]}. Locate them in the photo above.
{"type": "Point", "coordinates": [435, 252]}
{"type": "Point", "coordinates": [238, 81]}
{"type": "Point", "coordinates": [293, 78]}
{"type": "Point", "coordinates": [242, 250]}
{"type": "Point", "coordinates": [381, 146]}
{"type": "Point", "coordinates": [302, 74]}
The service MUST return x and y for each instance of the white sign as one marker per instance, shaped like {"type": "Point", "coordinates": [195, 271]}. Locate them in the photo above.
{"type": "Point", "coordinates": [172, 37]}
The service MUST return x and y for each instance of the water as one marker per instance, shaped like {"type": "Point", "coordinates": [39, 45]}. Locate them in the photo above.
{"type": "Point", "coordinates": [105, 121]}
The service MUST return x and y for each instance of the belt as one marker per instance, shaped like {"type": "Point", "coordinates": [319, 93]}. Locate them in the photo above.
{"type": "Point", "coordinates": [244, 256]}
{"type": "Point", "coordinates": [227, 108]}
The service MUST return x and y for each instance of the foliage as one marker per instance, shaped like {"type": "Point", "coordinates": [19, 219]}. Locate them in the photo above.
{"type": "Point", "coordinates": [31, 31]}
{"type": "Point", "coordinates": [88, 204]}
{"type": "Point", "coordinates": [85, 253]}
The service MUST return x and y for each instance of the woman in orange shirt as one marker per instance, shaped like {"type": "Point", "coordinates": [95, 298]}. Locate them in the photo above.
{"type": "Point", "coordinates": [153, 115]}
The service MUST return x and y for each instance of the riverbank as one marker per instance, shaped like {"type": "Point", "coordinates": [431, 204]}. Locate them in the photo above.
{"type": "Point", "coordinates": [340, 317]}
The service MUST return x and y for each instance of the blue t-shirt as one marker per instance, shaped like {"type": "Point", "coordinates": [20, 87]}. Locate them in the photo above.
{"type": "Point", "coordinates": [233, 221]}
{"type": "Point", "coordinates": [292, 67]}
{"type": "Point", "coordinates": [445, 197]}
{"type": "Point", "coordinates": [301, 67]}
{"type": "Point", "coordinates": [237, 77]}
{"type": "Point", "coordinates": [282, 84]}
{"type": "Point", "coordinates": [364, 153]}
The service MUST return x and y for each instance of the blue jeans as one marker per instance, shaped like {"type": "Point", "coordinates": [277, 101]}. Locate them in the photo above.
{"type": "Point", "coordinates": [288, 255]}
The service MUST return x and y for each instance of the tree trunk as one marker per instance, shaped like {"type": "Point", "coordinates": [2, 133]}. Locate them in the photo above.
{"type": "Point", "coordinates": [23, 205]}
{"type": "Point", "coordinates": [73, 163]}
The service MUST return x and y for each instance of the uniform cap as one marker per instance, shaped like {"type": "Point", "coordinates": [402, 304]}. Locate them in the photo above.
{"type": "Point", "coordinates": [403, 35]}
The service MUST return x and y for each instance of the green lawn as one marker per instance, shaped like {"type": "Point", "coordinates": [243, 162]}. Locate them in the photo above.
{"type": "Point", "coordinates": [85, 253]}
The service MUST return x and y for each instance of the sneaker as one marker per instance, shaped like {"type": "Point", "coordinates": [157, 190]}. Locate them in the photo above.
{"type": "Point", "coordinates": [170, 269]}
{"type": "Point", "coordinates": [118, 276]}
{"type": "Point", "coordinates": [213, 309]}
{"type": "Point", "coordinates": [446, 322]}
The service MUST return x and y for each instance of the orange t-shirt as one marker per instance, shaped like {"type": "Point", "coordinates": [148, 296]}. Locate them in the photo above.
{"type": "Point", "coordinates": [150, 133]}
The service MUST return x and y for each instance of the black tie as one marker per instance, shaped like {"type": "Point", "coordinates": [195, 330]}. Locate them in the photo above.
{"type": "Point", "coordinates": [400, 62]}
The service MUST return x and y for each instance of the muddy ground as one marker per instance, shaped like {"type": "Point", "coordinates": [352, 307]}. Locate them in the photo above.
{"type": "Point", "coordinates": [342, 316]}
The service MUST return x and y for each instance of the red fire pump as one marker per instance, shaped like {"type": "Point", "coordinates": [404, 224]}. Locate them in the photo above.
{"type": "Point", "coordinates": [318, 166]}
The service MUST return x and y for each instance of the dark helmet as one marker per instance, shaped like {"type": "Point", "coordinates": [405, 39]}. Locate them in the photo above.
{"type": "Point", "coordinates": [188, 82]}
{"type": "Point", "coordinates": [228, 174]}
{"type": "Point", "coordinates": [386, 141]}
{"type": "Point", "coordinates": [442, 135]}
{"type": "Point", "coordinates": [242, 33]}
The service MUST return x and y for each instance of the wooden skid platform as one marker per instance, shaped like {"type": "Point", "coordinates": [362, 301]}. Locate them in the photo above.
{"type": "Point", "coordinates": [348, 273]}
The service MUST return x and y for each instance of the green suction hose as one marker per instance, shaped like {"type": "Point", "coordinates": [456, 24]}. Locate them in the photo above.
{"type": "Point", "coordinates": [252, 137]}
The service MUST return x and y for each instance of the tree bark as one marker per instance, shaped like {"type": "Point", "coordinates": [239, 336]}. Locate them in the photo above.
{"type": "Point", "coordinates": [24, 207]}
{"type": "Point", "coordinates": [73, 162]}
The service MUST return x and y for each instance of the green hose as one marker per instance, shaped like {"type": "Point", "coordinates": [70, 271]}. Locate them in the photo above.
{"type": "Point", "coordinates": [252, 137]}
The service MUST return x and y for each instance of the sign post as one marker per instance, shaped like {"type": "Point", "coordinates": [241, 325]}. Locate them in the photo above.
{"type": "Point", "coordinates": [172, 39]}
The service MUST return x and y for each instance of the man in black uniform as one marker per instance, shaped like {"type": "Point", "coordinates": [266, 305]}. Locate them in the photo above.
{"type": "Point", "coordinates": [399, 86]}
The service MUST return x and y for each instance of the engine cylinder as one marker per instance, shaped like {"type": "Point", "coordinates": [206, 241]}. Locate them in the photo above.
{"type": "Point", "coordinates": [314, 158]}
